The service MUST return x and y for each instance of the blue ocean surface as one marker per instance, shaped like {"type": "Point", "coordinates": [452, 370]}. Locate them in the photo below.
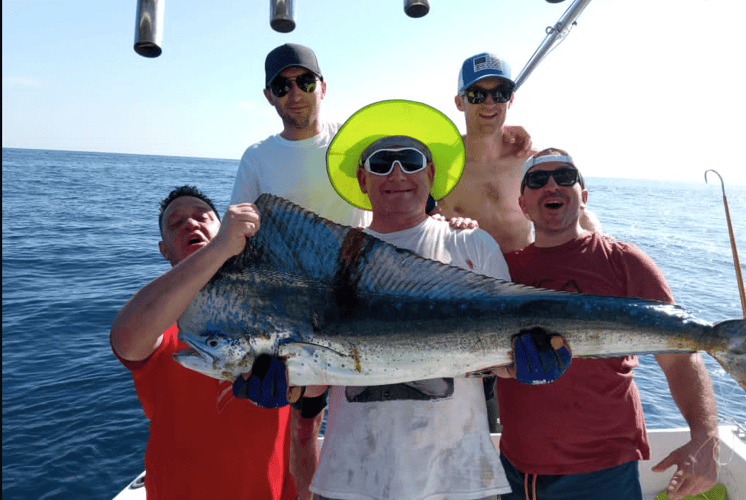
{"type": "Point", "coordinates": [80, 237]}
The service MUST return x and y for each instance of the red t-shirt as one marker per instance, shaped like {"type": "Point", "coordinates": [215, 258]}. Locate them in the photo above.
{"type": "Point", "coordinates": [591, 417]}
{"type": "Point", "coordinates": [204, 442]}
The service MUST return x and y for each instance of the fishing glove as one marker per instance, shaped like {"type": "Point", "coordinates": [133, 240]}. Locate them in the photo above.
{"type": "Point", "coordinates": [267, 385]}
{"type": "Point", "coordinates": [537, 362]}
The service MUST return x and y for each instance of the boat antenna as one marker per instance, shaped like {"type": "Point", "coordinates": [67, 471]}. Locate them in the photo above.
{"type": "Point", "coordinates": [555, 35]}
{"type": "Point", "coordinates": [149, 27]}
{"type": "Point", "coordinates": [739, 277]}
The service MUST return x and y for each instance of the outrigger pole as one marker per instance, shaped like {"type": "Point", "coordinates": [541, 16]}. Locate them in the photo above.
{"type": "Point", "coordinates": [149, 27]}
{"type": "Point", "coordinates": [555, 34]}
{"type": "Point", "coordinates": [739, 277]}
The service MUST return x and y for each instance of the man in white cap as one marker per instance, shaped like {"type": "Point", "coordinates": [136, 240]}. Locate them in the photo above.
{"type": "Point", "coordinates": [582, 437]}
{"type": "Point", "coordinates": [488, 190]}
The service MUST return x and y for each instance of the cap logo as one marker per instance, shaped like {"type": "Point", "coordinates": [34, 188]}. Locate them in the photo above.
{"type": "Point", "coordinates": [487, 62]}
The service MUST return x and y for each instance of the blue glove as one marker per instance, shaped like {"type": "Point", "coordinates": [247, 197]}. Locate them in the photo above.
{"type": "Point", "coordinates": [536, 361]}
{"type": "Point", "coordinates": [267, 386]}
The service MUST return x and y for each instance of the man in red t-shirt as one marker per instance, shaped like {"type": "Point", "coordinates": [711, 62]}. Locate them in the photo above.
{"type": "Point", "coordinates": [204, 442]}
{"type": "Point", "coordinates": [582, 436]}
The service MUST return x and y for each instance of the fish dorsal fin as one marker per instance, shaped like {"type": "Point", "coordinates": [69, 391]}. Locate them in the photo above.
{"type": "Point", "coordinates": [294, 241]}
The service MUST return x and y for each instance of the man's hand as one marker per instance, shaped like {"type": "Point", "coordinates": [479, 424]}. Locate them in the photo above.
{"type": "Point", "coordinates": [517, 140]}
{"type": "Point", "coordinates": [457, 222]}
{"type": "Point", "coordinates": [239, 222]}
{"type": "Point", "coordinates": [696, 468]}
{"type": "Point", "coordinates": [539, 357]}
{"type": "Point", "coordinates": [267, 384]}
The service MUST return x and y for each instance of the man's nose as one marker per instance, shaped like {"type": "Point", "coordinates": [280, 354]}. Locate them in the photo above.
{"type": "Point", "coordinates": [295, 90]}
{"type": "Point", "coordinates": [551, 183]}
{"type": "Point", "coordinates": [398, 170]}
{"type": "Point", "coordinates": [191, 223]}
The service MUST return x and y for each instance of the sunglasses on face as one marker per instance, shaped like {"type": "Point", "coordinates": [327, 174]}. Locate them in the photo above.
{"type": "Point", "coordinates": [280, 86]}
{"type": "Point", "coordinates": [565, 176]}
{"type": "Point", "coordinates": [477, 95]}
{"type": "Point", "coordinates": [381, 162]}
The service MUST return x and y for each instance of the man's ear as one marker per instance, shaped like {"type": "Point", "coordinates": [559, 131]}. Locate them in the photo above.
{"type": "Point", "coordinates": [583, 198]}
{"type": "Point", "coordinates": [459, 100]}
{"type": "Point", "coordinates": [522, 204]}
{"type": "Point", "coordinates": [163, 250]}
{"type": "Point", "coordinates": [361, 180]}
{"type": "Point", "coordinates": [323, 89]}
{"type": "Point", "coordinates": [268, 95]}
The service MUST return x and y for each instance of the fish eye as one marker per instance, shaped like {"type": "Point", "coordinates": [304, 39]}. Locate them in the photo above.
{"type": "Point", "coordinates": [212, 342]}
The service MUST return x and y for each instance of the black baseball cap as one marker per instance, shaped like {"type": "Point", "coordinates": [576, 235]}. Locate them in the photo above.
{"type": "Point", "coordinates": [289, 55]}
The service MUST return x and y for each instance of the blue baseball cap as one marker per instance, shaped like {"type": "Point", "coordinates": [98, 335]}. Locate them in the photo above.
{"type": "Point", "coordinates": [484, 65]}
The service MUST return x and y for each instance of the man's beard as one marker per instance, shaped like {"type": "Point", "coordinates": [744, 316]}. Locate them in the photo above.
{"type": "Point", "coordinates": [296, 122]}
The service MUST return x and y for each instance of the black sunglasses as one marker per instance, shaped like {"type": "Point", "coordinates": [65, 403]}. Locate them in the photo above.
{"type": "Point", "coordinates": [477, 95]}
{"type": "Point", "coordinates": [280, 86]}
{"type": "Point", "coordinates": [565, 176]}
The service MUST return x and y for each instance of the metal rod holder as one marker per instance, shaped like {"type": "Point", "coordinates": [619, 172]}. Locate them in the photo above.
{"type": "Point", "coordinates": [282, 15]}
{"type": "Point", "coordinates": [149, 28]}
{"type": "Point", "coordinates": [416, 8]}
{"type": "Point", "coordinates": [553, 34]}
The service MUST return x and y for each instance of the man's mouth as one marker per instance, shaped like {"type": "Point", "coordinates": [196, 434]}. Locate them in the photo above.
{"type": "Point", "coordinates": [195, 239]}
{"type": "Point", "coordinates": [553, 202]}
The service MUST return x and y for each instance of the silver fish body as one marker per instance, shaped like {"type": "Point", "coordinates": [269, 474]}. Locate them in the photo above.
{"type": "Point", "coordinates": [344, 308]}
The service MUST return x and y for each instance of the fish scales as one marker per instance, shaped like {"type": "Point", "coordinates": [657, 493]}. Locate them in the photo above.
{"type": "Point", "coordinates": [344, 308]}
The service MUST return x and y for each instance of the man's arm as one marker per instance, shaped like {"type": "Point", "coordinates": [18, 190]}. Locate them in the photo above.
{"type": "Point", "coordinates": [692, 392]}
{"type": "Point", "coordinates": [517, 141]}
{"type": "Point", "coordinates": [590, 222]}
{"type": "Point", "coordinates": [138, 328]}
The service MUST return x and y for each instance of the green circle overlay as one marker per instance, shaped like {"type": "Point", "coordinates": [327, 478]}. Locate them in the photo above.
{"type": "Point", "coordinates": [394, 117]}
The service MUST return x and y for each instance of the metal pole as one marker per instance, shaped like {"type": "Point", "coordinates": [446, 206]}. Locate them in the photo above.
{"type": "Point", "coordinates": [416, 8]}
{"type": "Point", "coordinates": [739, 277]}
{"type": "Point", "coordinates": [282, 15]}
{"type": "Point", "coordinates": [553, 33]}
{"type": "Point", "coordinates": [149, 28]}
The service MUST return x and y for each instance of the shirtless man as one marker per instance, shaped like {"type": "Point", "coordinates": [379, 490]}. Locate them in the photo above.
{"type": "Point", "coordinates": [489, 187]}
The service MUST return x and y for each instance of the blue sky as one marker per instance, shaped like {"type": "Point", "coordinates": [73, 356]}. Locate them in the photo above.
{"type": "Point", "coordinates": [640, 88]}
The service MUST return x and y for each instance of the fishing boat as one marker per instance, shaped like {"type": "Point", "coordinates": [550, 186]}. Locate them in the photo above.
{"type": "Point", "coordinates": [731, 473]}
{"type": "Point", "coordinates": [732, 452]}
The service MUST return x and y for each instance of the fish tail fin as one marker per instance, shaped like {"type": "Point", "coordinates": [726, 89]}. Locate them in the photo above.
{"type": "Point", "coordinates": [731, 353]}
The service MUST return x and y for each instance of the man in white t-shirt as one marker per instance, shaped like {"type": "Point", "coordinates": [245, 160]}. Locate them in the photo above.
{"type": "Point", "coordinates": [292, 163]}
{"type": "Point", "coordinates": [425, 439]}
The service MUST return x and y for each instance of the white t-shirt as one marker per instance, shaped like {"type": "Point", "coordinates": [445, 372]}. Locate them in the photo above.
{"type": "Point", "coordinates": [295, 170]}
{"type": "Point", "coordinates": [433, 447]}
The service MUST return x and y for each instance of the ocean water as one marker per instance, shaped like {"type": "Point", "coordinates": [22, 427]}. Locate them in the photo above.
{"type": "Point", "coordinates": [80, 237]}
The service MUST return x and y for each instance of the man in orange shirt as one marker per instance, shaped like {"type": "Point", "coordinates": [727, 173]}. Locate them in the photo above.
{"type": "Point", "coordinates": [204, 442]}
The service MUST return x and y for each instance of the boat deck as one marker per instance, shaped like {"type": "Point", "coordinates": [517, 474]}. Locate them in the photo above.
{"type": "Point", "coordinates": [732, 472]}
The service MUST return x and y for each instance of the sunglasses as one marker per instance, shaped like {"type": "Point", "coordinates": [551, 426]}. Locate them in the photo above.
{"type": "Point", "coordinates": [381, 161]}
{"type": "Point", "coordinates": [280, 86]}
{"type": "Point", "coordinates": [565, 176]}
{"type": "Point", "coordinates": [477, 95]}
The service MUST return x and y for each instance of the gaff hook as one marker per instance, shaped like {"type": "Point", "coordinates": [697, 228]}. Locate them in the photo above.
{"type": "Point", "coordinates": [736, 263]}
